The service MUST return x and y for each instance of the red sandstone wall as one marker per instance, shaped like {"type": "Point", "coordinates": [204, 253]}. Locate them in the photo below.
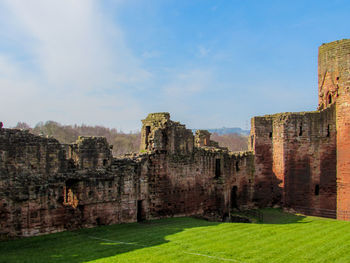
{"type": "Point", "coordinates": [188, 185]}
{"type": "Point", "coordinates": [77, 188]}
{"type": "Point", "coordinates": [334, 65]}
{"type": "Point", "coordinates": [310, 153]}
{"type": "Point", "coordinates": [294, 152]}
{"type": "Point", "coordinates": [266, 188]}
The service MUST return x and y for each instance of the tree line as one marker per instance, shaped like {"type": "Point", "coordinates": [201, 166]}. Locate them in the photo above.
{"type": "Point", "coordinates": [122, 142]}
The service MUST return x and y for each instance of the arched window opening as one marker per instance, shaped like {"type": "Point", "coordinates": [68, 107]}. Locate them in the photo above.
{"type": "Point", "coordinates": [300, 130]}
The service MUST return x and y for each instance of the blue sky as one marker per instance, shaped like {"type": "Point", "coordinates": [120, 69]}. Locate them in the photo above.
{"type": "Point", "coordinates": [209, 63]}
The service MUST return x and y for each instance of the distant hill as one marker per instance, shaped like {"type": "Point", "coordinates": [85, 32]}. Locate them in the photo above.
{"type": "Point", "coordinates": [224, 131]}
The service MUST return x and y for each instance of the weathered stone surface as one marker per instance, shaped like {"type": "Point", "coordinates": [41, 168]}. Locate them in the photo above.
{"type": "Point", "coordinates": [47, 187]}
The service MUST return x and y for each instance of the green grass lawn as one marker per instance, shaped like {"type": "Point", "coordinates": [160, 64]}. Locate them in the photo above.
{"type": "Point", "coordinates": [281, 238]}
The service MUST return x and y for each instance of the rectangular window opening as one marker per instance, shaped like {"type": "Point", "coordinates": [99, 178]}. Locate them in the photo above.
{"type": "Point", "coordinates": [317, 189]}
{"type": "Point", "coordinates": [328, 130]}
{"type": "Point", "coordinates": [217, 168]}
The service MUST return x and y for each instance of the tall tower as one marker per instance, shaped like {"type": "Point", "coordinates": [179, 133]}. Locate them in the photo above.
{"type": "Point", "coordinates": [334, 87]}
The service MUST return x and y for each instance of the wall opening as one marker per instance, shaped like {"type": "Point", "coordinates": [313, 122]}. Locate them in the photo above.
{"type": "Point", "coordinates": [140, 211]}
{"type": "Point", "coordinates": [328, 130]}
{"type": "Point", "coordinates": [217, 168]}
{"type": "Point", "coordinates": [148, 131]}
{"type": "Point", "coordinates": [317, 189]}
{"type": "Point", "coordinates": [237, 166]}
{"type": "Point", "coordinates": [330, 99]}
{"type": "Point", "coordinates": [300, 130]}
{"type": "Point", "coordinates": [270, 134]}
{"type": "Point", "coordinates": [234, 197]}
{"type": "Point", "coordinates": [69, 193]}
{"type": "Point", "coordinates": [105, 162]}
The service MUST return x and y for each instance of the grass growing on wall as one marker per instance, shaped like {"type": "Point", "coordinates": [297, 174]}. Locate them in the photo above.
{"type": "Point", "coordinates": [280, 238]}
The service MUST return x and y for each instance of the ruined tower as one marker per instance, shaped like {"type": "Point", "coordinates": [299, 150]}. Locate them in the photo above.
{"type": "Point", "coordinates": [161, 134]}
{"type": "Point", "coordinates": [334, 87]}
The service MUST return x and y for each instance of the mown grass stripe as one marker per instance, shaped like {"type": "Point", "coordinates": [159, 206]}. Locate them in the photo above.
{"type": "Point", "coordinates": [281, 238]}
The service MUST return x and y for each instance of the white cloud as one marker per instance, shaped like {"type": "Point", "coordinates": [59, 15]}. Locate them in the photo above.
{"type": "Point", "coordinates": [80, 67]}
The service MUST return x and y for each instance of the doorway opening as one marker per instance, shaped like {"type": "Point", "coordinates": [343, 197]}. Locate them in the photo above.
{"type": "Point", "coordinates": [140, 211]}
{"type": "Point", "coordinates": [234, 197]}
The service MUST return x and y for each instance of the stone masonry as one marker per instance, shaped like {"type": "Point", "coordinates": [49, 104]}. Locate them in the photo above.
{"type": "Point", "coordinates": [295, 160]}
{"type": "Point", "coordinates": [47, 187]}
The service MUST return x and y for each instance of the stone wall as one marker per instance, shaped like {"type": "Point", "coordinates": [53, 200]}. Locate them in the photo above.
{"type": "Point", "coordinates": [334, 87]}
{"type": "Point", "coordinates": [310, 167]}
{"type": "Point", "coordinates": [47, 187]}
{"type": "Point", "coordinates": [296, 153]}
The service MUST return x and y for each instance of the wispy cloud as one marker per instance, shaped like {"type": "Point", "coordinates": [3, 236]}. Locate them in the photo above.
{"type": "Point", "coordinates": [82, 64]}
{"type": "Point", "coordinates": [188, 83]}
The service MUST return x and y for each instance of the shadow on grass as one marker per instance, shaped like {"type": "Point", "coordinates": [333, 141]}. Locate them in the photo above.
{"type": "Point", "coordinates": [96, 243]}
{"type": "Point", "coordinates": [277, 216]}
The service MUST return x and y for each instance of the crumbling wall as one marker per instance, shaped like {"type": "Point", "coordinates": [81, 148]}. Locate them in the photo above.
{"type": "Point", "coordinates": [90, 153]}
{"type": "Point", "coordinates": [47, 187]}
{"type": "Point", "coordinates": [200, 184]}
{"type": "Point", "coordinates": [188, 180]}
{"type": "Point", "coordinates": [202, 138]}
{"type": "Point", "coordinates": [160, 134]}
{"type": "Point", "coordinates": [40, 192]}
{"type": "Point", "coordinates": [22, 152]}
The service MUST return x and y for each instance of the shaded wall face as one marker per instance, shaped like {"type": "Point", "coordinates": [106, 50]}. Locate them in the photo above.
{"type": "Point", "coordinates": [334, 58]}
{"type": "Point", "coordinates": [262, 145]}
{"type": "Point", "coordinates": [295, 160]}
{"type": "Point", "coordinates": [309, 162]}
{"type": "Point", "coordinates": [192, 185]}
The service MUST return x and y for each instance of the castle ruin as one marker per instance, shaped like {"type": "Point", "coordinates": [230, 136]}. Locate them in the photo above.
{"type": "Point", "coordinates": [295, 160]}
